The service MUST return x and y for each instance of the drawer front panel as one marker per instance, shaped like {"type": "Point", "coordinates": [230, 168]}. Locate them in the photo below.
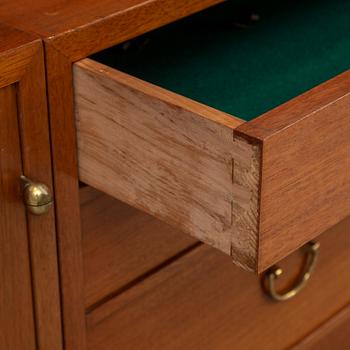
{"type": "Point", "coordinates": [201, 301]}
{"type": "Point", "coordinates": [305, 176]}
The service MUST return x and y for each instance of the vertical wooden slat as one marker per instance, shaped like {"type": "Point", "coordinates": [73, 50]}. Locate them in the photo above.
{"type": "Point", "coordinates": [67, 205]}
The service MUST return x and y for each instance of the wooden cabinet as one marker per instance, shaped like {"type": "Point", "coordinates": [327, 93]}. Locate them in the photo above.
{"type": "Point", "coordinates": [29, 293]}
{"type": "Point", "coordinates": [257, 189]}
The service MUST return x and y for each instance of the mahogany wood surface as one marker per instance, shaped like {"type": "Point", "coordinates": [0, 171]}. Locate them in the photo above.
{"type": "Point", "coordinates": [333, 334]}
{"type": "Point", "coordinates": [71, 31]}
{"type": "Point", "coordinates": [73, 38]}
{"type": "Point", "coordinates": [76, 29]}
{"type": "Point", "coordinates": [103, 25]}
{"type": "Point", "coordinates": [293, 146]}
{"type": "Point", "coordinates": [121, 244]}
{"type": "Point", "coordinates": [202, 301]}
{"type": "Point", "coordinates": [94, 24]}
{"type": "Point", "coordinates": [305, 175]}
{"type": "Point", "coordinates": [22, 70]}
{"type": "Point", "coordinates": [36, 157]}
{"type": "Point", "coordinates": [17, 329]}
{"type": "Point", "coordinates": [12, 38]}
{"type": "Point", "coordinates": [62, 126]}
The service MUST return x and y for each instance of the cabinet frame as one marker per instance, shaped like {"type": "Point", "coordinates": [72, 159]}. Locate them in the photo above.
{"type": "Point", "coordinates": [22, 65]}
{"type": "Point", "coordinates": [72, 34]}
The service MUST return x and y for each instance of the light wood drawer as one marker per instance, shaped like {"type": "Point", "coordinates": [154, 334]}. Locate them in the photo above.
{"type": "Point", "coordinates": [122, 245]}
{"type": "Point", "coordinates": [202, 301]}
{"type": "Point", "coordinates": [256, 190]}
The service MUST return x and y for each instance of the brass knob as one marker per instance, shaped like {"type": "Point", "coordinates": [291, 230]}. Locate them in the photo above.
{"type": "Point", "coordinates": [37, 196]}
{"type": "Point", "coordinates": [312, 252]}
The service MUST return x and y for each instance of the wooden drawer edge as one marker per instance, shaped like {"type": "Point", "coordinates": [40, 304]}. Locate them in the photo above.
{"type": "Point", "coordinates": [156, 92]}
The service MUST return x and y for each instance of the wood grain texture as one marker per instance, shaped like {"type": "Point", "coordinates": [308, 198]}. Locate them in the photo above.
{"type": "Point", "coordinates": [14, 61]}
{"type": "Point", "coordinates": [95, 31]}
{"type": "Point", "coordinates": [78, 29]}
{"type": "Point", "coordinates": [203, 302]}
{"type": "Point", "coordinates": [12, 38]}
{"type": "Point", "coordinates": [22, 65]}
{"type": "Point", "coordinates": [305, 180]}
{"type": "Point", "coordinates": [121, 244]}
{"type": "Point", "coordinates": [245, 204]}
{"type": "Point", "coordinates": [17, 329]}
{"type": "Point", "coordinates": [161, 153]}
{"type": "Point", "coordinates": [36, 158]}
{"type": "Point", "coordinates": [78, 37]}
{"type": "Point", "coordinates": [158, 155]}
{"type": "Point", "coordinates": [333, 334]}
{"type": "Point", "coordinates": [94, 25]}
{"type": "Point", "coordinates": [60, 97]}
{"type": "Point", "coordinates": [287, 188]}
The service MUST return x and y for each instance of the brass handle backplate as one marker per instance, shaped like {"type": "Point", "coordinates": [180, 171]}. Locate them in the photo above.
{"type": "Point", "coordinates": [270, 276]}
{"type": "Point", "coordinates": [37, 196]}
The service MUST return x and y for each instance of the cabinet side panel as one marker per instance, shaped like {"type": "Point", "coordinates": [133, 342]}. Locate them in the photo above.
{"type": "Point", "coordinates": [157, 155]}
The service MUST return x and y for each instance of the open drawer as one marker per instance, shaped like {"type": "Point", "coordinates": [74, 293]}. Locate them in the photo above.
{"type": "Point", "coordinates": [256, 188]}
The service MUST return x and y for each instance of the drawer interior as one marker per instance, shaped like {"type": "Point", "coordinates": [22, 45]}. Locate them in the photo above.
{"type": "Point", "coordinates": [243, 57]}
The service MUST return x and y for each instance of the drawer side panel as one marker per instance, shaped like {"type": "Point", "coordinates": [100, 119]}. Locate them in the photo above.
{"type": "Point", "coordinates": [159, 152]}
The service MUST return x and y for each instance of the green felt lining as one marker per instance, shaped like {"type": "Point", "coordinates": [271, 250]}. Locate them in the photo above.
{"type": "Point", "coordinates": [243, 67]}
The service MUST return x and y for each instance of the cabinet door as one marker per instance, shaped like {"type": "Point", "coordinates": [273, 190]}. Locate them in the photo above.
{"type": "Point", "coordinates": [16, 305]}
{"type": "Point", "coordinates": [29, 293]}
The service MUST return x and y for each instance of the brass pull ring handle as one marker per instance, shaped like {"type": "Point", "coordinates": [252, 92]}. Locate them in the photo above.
{"type": "Point", "coordinates": [270, 276]}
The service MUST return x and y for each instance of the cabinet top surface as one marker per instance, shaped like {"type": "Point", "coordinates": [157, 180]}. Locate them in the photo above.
{"type": "Point", "coordinates": [12, 38]}
{"type": "Point", "coordinates": [57, 16]}
{"type": "Point", "coordinates": [50, 18]}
